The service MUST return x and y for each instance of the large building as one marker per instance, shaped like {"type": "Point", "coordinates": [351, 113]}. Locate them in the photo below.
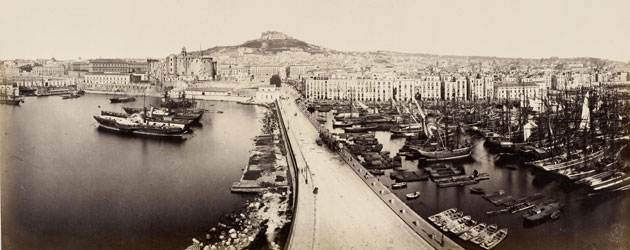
{"type": "Point", "coordinates": [108, 66]}
{"type": "Point", "coordinates": [232, 72]}
{"type": "Point", "coordinates": [517, 91]}
{"type": "Point", "coordinates": [455, 88]}
{"type": "Point", "coordinates": [188, 65]}
{"type": "Point", "coordinates": [299, 71]}
{"type": "Point", "coordinates": [49, 70]}
{"type": "Point", "coordinates": [481, 87]}
{"type": "Point", "coordinates": [373, 89]}
{"type": "Point", "coordinates": [264, 72]}
{"type": "Point", "coordinates": [36, 81]}
{"type": "Point", "coordinates": [267, 94]}
{"type": "Point", "coordinates": [115, 82]}
{"type": "Point", "coordinates": [110, 78]}
{"type": "Point", "coordinates": [428, 87]}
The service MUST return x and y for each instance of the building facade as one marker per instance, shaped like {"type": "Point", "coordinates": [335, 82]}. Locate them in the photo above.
{"type": "Point", "coordinates": [517, 91]}
{"type": "Point", "coordinates": [455, 88]}
{"type": "Point", "coordinates": [187, 65]}
{"type": "Point", "coordinates": [371, 89]}
{"type": "Point", "coordinates": [49, 70]}
{"type": "Point", "coordinates": [108, 66]}
{"type": "Point", "coordinates": [267, 94]}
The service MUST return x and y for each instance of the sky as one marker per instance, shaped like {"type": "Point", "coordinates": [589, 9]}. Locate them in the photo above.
{"type": "Point", "coordinates": [72, 29]}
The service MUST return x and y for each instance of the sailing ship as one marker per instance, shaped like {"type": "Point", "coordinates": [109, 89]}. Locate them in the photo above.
{"type": "Point", "coordinates": [442, 144]}
{"type": "Point", "coordinates": [11, 99]}
{"type": "Point", "coordinates": [170, 103]}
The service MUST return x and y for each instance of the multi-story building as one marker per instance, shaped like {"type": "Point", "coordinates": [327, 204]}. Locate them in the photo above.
{"type": "Point", "coordinates": [299, 71]}
{"type": "Point", "coordinates": [267, 94]}
{"type": "Point", "coordinates": [49, 70]}
{"type": "Point", "coordinates": [428, 87]}
{"type": "Point", "coordinates": [517, 91]}
{"type": "Point", "coordinates": [232, 72]}
{"type": "Point", "coordinates": [185, 65]}
{"type": "Point", "coordinates": [264, 72]}
{"type": "Point", "coordinates": [111, 78]}
{"type": "Point", "coordinates": [455, 88]}
{"type": "Point", "coordinates": [373, 89]}
{"type": "Point", "coordinates": [109, 66]}
{"type": "Point", "coordinates": [115, 82]}
{"type": "Point", "coordinates": [35, 81]}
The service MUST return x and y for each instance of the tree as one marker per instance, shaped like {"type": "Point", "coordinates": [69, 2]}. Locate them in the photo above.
{"type": "Point", "coordinates": [275, 80]}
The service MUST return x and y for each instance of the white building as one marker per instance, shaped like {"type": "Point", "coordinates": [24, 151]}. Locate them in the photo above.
{"type": "Point", "coordinates": [97, 78]}
{"type": "Point", "coordinates": [517, 91]}
{"type": "Point", "coordinates": [373, 89]}
{"type": "Point", "coordinates": [49, 70]}
{"type": "Point", "coordinates": [429, 87]}
{"type": "Point", "coordinates": [267, 94]}
{"type": "Point", "coordinates": [455, 88]}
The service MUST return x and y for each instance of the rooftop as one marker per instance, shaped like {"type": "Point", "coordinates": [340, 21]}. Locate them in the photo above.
{"type": "Point", "coordinates": [513, 84]}
{"type": "Point", "coordinates": [108, 61]}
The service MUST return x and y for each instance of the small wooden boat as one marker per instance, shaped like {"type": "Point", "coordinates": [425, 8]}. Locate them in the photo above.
{"type": "Point", "coordinates": [413, 195]}
{"type": "Point", "coordinates": [220, 112]}
{"type": "Point", "coordinates": [377, 171]}
{"type": "Point", "coordinates": [399, 185]}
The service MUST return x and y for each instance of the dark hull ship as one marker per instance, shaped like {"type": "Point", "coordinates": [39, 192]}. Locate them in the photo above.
{"type": "Point", "coordinates": [122, 99]}
{"type": "Point", "coordinates": [138, 126]}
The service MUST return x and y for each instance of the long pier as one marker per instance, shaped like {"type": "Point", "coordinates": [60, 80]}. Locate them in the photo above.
{"type": "Point", "coordinates": [335, 209]}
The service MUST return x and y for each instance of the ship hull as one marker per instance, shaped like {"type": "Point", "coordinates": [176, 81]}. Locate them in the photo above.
{"type": "Point", "coordinates": [120, 100]}
{"type": "Point", "coordinates": [141, 131]}
{"type": "Point", "coordinates": [445, 155]}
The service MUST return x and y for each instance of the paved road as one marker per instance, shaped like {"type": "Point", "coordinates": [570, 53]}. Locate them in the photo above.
{"type": "Point", "coordinates": [345, 213]}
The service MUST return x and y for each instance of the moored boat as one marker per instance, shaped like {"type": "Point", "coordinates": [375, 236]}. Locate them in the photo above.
{"type": "Point", "coordinates": [399, 185]}
{"type": "Point", "coordinates": [413, 195]}
{"type": "Point", "coordinates": [136, 125]}
{"type": "Point", "coordinates": [543, 212]}
{"type": "Point", "coordinates": [122, 99]}
{"type": "Point", "coordinates": [483, 236]}
{"type": "Point", "coordinates": [71, 96]}
{"type": "Point", "coordinates": [445, 154]}
{"type": "Point", "coordinates": [474, 232]}
{"type": "Point", "coordinates": [495, 239]}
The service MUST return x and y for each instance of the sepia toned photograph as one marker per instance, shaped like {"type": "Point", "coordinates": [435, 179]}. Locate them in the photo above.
{"type": "Point", "coordinates": [315, 125]}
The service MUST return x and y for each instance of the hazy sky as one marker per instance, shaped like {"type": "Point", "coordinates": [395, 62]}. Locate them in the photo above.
{"type": "Point", "coordinates": [69, 29]}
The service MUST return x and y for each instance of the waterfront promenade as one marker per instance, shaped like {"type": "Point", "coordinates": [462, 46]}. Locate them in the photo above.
{"type": "Point", "coordinates": [344, 213]}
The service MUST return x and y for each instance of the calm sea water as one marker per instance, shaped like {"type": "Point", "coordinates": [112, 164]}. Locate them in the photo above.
{"type": "Point", "coordinates": [587, 221]}
{"type": "Point", "coordinates": [68, 185]}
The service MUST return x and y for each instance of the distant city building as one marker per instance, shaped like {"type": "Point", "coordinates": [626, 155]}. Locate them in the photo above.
{"type": "Point", "coordinates": [37, 81]}
{"type": "Point", "coordinates": [428, 87]}
{"type": "Point", "coordinates": [299, 71]}
{"type": "Point", "coordinates": [116, 82]}
{"type": "Point", "coordinates": [232, 72]}
{"type": "Point", "coordinates": [48, 70]}
{"type": "Point", "coordinates": [264, 72]}
{"type": "Point", "coordinates": [369, 89]}
{"type": "Point", "coordinates": [109, 66]}
{"type": "Point", "coordinates": [455, 88]}
{"type": "Point", "coordinates": [267, 94]}
{"type": "Point", "coordinates": [185, 65]}
{"type": "Point", "coordinates": [517, 91]}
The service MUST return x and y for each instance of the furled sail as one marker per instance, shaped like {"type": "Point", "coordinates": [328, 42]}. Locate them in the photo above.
{"type": "Point", "coordinates": [586, 114]}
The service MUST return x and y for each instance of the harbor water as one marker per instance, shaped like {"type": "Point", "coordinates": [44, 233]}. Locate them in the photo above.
{"type": "Point", "coordinates": [588, 221]}
{"type": "Point", "coordinates": [68, 185]}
